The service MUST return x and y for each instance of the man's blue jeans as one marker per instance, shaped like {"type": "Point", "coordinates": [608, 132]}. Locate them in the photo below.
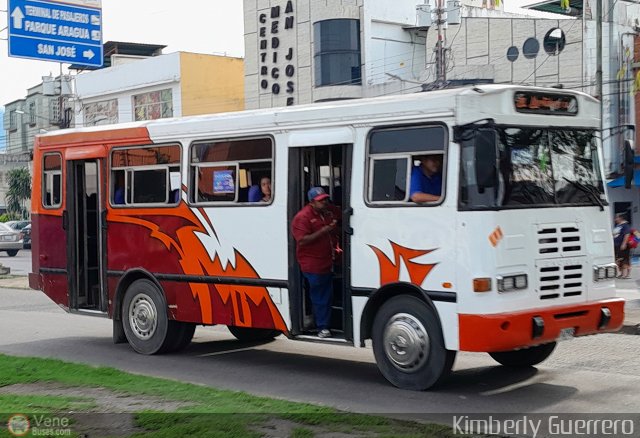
{"type": "Point", "coordinates": [321, 293]}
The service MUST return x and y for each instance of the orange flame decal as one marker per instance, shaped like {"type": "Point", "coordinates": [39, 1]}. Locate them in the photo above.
{"type": "Point", "coordinates": [390, 270]}
{"type": "Point", "coordinates": [195, 260]}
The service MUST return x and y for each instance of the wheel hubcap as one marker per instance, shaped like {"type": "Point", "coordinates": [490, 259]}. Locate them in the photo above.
{"type": "Point", "coordinates": [406, 342]}
{"type": "Point", "coordinates": [143, 316]}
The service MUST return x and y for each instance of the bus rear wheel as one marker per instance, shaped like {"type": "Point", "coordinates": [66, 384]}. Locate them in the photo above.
{"type": "Point", "coordinates": [250, 334]}
{"type": "Point", "coordinates": [524, 358]}
{"type": "Point", "coordinates": [144, 318]}
{"type": "Point", "coordinates": [408, 344]}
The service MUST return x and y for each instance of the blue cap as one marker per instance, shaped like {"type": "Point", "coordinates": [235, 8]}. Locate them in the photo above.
{"type": "Point", "coordinates": [317, 194]}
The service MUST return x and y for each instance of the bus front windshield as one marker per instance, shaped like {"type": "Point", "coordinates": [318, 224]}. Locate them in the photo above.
{"type": "Point", "coordinates": [530, 167]}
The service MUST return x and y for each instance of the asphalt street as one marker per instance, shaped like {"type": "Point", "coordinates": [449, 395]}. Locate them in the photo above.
{"type": "Point", "coordinates": [591, 374]}
{"type": "Point", "coordinates": [20, 264]}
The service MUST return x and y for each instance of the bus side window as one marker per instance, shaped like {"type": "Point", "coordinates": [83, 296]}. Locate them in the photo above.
{"type": "Point", "coordinates": [231, 171]}
{"type": "Point", "coordinates": [406, 164]}
{"type": "Point", "coordinates": [52, 180]}
{"type": "Point", "coordinates": [146, 175]}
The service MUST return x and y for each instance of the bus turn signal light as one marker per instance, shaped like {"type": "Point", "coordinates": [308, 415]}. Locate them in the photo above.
{"type": "Point", "coordinates": [481, 284]}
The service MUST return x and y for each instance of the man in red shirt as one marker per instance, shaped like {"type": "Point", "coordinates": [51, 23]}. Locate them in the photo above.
{"type": "Point", "coordinates": [313, 228]}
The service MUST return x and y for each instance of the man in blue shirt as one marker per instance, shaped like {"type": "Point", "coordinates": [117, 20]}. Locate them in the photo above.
{"type": "Point", "coordinates": [426, 179]}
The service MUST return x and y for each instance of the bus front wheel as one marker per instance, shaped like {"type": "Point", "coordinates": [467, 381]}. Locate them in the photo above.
{"type": "Point", "coordinates": [408, 344]}
{"type": "Point", "coordinates": [249, 334]}
{"type": "Point", "coordinates": [524, 358]}
{"type": "Point", "coordinates": [144, 318]}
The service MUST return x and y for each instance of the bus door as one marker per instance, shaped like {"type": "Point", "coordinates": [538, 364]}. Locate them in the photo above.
{"type": "Point", "coordinates": [85, 216]}
{"type": "Point", "coordinates": [327, 167]}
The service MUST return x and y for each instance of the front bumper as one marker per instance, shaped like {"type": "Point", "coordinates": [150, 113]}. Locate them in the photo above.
{"type": "Point", "coordinates": [510, 331]}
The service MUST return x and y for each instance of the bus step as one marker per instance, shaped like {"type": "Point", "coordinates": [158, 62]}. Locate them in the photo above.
{"type": "Point", "coordinates": [332, 340]}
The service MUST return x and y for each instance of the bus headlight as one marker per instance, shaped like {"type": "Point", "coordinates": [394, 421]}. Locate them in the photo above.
{"type": "Point", "coordinates": [604, 272]}
{"type": "Point", "coordinates": [507, 283]}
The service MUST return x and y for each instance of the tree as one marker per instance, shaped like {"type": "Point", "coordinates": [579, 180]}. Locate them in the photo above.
{"type": "Point", "coordinates": [19, 191]}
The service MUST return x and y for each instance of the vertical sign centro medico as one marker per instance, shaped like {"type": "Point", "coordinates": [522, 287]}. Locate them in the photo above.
{"type": "Point", "coordinates": [67, 31]}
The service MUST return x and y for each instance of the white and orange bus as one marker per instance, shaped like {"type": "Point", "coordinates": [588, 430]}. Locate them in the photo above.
{"type": "Point", "coordinates": [514, 255]}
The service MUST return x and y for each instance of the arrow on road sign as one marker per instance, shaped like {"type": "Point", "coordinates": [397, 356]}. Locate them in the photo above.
{"type": "Point", "coordinates": [88, 54]}
{"type": "Point", "coordinates": [17, 16]}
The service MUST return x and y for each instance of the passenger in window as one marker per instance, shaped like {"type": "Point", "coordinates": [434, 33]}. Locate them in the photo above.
{"type": "Point", "coordinates": [426, 179]}
{"type": "Point", "coordinates": [265, 188]}
{"type": "Point", "coordinates": [118, 188]}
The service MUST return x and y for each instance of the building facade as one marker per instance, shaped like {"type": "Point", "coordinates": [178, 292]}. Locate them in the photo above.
{"type": "Point", "coordinates": [46, 108]}
{"type": "Point", "coordinates": [171, 85]}
{"type": "Point", "coordinates": [303, 51]}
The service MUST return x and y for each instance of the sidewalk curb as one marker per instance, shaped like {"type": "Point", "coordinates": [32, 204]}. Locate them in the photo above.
{"type": "Point", "coordinates": [15, 282]}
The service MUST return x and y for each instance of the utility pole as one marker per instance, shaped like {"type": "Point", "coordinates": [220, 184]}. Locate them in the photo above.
{"type": "Point", "coordinates": [599, 62]}
{"type": "Point", "coordinates": [441, 68]}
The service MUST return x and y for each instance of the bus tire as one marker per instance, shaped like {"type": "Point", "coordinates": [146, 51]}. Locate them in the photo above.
{"type": "Point", "coordinates": [524, 358]}
{"type": "Point", "coordinates": [408, 344]}
{"type": "Point", "coordinates": [145, 319]}
{"type": "Point", "coordinates": [181, 334]}
{"type": "Point", "coordinates": [250, 334]}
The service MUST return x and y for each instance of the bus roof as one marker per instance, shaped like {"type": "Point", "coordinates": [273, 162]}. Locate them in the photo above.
{"type": "Point", "coordinates": [480, 102]}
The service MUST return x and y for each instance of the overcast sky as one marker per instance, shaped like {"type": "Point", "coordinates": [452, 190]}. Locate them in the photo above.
{"type": "Point", "coordinates": [202, 26]}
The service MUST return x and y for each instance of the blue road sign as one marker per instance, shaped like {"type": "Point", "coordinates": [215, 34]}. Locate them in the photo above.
{"type": "Point", "coordinates": [56, 31]}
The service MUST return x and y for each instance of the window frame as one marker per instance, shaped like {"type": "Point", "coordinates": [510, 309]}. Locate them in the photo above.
{"type": "Point", "coordinates": [13, 120]}
{"type": "Point", "coordinates": [193, 176]}
{"type": "Point", "coordinates": [32, 114]}
{"type": "Point", "coordinates": [48, 176]}
{"type": "Point", "coordinates": [129, 169]}
{"type": "Point", "coordinates": [319, 54]}
{"type": "Point", "coordinates": [370, 158]}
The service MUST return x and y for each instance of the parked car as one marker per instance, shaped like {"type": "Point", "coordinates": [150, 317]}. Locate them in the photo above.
{"type": "Point", "coordinates": [26, 237]}
{"type": "Point", "coordinates": [10, 240]}
{"type": "Point", "coordinates": [18, 225]}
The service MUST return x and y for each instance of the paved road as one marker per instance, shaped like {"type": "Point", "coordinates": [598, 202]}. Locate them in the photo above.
{"type": "Point", "coordinates": [592, 374]}
{"type": "Point", "coordinates": [20, 264]}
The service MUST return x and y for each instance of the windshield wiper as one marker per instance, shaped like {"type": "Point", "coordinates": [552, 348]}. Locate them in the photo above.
{"type": "Point", "coordinates": [592, 195]}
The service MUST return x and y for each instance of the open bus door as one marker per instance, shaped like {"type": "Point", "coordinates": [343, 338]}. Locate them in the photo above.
{"type": "Point", "coordinates": [84, 220]}
{"type": "Point", "coordinates": [327, 167]}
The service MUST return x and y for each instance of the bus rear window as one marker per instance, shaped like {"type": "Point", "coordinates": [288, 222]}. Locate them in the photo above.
{"type": "Point", "coordinates": [52, 181]}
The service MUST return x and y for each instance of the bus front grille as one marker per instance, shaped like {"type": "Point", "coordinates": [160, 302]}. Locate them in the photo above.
{"type": "Point", "coordinates": [560, 280]}
{"type": "Point", "coordinates": [559, 240]}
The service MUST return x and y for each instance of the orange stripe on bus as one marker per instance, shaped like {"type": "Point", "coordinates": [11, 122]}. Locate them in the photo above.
{"type": "Point", "coordinates": [119, 136]}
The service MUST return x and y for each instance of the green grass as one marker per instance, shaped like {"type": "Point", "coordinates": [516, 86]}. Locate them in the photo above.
{"type": "Point", "coordinates": [206, 412]}
{"type": "Point", "coordinates": [35, 404]}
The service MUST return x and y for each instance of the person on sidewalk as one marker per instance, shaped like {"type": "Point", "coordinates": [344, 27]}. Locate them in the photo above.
{"type": "Point", "coordinates": [313, 228]}
{"type": "Point", "coordinates": [621, 235]}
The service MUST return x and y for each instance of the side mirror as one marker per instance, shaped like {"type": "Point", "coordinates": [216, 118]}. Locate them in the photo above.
{"type": "Point", "coordinates": [628, 163]}
{"type": "Point", "coordinates": [485, 158]}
